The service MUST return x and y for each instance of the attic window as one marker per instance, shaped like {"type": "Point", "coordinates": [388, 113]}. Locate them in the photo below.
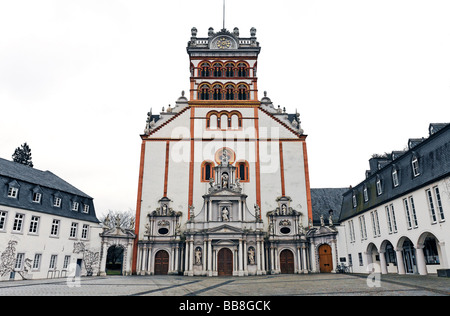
{"type": "Point", "coordinates": [37, 197]}
{"type": "Point", "coordinates": [415, 166]}
{"type": "Point", "coordinates": [355, 202]}
{"type": "Point", "coordinates": [13, 192]}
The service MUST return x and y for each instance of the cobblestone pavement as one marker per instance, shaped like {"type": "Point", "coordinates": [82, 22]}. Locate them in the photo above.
{"type": "Point", "coordinates": [270, 285]}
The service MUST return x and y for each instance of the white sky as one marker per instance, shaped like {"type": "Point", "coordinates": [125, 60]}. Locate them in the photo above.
{"type": "Point", "coordinates": [77, 79]}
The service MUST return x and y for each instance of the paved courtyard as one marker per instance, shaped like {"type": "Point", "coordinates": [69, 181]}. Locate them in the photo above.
{"type": "Point", "coordinates": [270, 285]}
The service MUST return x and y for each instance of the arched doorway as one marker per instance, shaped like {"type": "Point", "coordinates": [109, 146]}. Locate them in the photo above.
{"type": "Point", "coordinates": [161, 263]}
{"type": "Point", "coordinates": [325, 259]}
{"type": "Point", "coordinates": [114, 260]}
{"type": "Point", "coordinates": [409, 256]}
{"type": "Point", "coordinates": [225, 262]}
{"type": "Point", "coordinates": [287, 262]}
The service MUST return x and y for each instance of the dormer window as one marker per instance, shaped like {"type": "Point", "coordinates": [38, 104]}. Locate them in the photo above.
{"type": "Point", "coordinates": [57, 201]}
{"type": "Point", "coordinates": [366, 194]}
{"type": "Point", "coordinates": [415, 166]}
{"type": "Point", "coordinates": [13, 192]}
{"type": "Point", "coordinates": [37, 197]}
{"type": "Point", "coordinates": [379, 187]}
{"type": "Point", "coordinates": [75, 206]}
{"type": "Point", "coordinates": [395, 177]}
{"type": "Point", "coordinates": [355, 202]}
{"type": "Point", "coordinates": [13, 189]}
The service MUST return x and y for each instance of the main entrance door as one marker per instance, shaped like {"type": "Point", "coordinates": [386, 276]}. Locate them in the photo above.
{"type": "Point", "coordinates": [325, 259]}
{"type": "Point", "coordinates": [287, 262]}
{"type": "Point", "coordinates": [161, 263]}
{"type": "Point", "coordinates": [225, 262]}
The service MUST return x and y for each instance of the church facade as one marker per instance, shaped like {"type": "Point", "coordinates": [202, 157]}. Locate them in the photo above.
{"type": "Point", "coordinates": [223, 180]}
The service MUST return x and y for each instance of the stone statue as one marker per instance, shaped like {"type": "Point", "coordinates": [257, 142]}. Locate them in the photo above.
{"type": "Point", "coordinates": [225, 214]}
{"type": "Point", "coordinates": [224, 181]}
{"type": "Point", "coordinates": [251, 255]}
{"type": "Point", "coordinates": [283, 209]}
{"type": "Point", "coordinates": [257, 211]}
{"type": "Point", "coordinates": [198, 256]}
{"type": "Point", "coordinates": [322, 221]}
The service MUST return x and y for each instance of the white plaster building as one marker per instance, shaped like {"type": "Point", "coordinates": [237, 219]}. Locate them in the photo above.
{"type": "Point", "coordinates": [398, 217]}
{"type": "Point", "coordinates": [48, 228]}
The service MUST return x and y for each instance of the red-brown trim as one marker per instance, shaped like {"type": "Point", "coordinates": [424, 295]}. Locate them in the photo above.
{"type": "Point", "coordinates": [307, 183]}
{"type": "Point", "coordinates": [166, 171]}
{"type": "Point", "coordinates": [191, 165]}
{"type": "Point", "coordinates": [283, 188]}
{"type": "Point", "coordinates": [257, 164]}
{"type": "Point", "coordinates": [138, 208]}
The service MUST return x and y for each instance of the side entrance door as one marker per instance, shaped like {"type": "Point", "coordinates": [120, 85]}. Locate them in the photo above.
{"type": "Point", "coordinates": [325, 259]}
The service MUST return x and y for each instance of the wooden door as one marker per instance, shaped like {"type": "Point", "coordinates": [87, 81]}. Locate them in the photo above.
{"type": "Point", "coordinates": [287, 262]}
{"type": "Point", "coordinates": [325, 259]}
{"type": "Point", "coordinates": [225, 262]}
{"type": "Point", "coordinates": [161, 263]}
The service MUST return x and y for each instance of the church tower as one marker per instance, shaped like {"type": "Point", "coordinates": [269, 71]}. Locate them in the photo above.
{"type": "Point", "coordinates": [223, 180]}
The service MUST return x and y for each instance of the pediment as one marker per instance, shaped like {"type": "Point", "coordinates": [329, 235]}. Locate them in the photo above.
{"type": "Point", "coordinates": [225, 229]}
{"type": "Point", "coordinates": [118, 232]}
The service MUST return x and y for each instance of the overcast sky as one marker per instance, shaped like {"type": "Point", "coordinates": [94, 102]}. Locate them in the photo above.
{"type": "Point", "coordinates": [77, 79]}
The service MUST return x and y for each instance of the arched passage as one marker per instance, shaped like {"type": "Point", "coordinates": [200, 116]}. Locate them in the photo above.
{"type": "Point", "coordinates": [114, 260]}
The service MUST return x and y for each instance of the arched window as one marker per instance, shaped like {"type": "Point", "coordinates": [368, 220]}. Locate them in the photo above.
{"type": "Point", "coordinates": [229, 92]}
{"type": "Point", "coordinates": [212, 122]}
{"type": "Point", "coordinates": [242, 70]}
{"type": "Point", "coordinates": [224, 121]}
{"type": "Point", "coordinates": [229, 70]}
{"type": "Point", "coordinates": [203, 92]}
{"type": "Point", "coordinates": [204, 69]}
{"type": "Point", "coordinates": [217, 70]}
{"type": "Point", "coordinates": [243, 92]}
{"type": "Point", "coordinates": [217, 92]}
{"type": "Point", "coordinates": [207, 171]}
{"type": "Point", "coordinates": [242, 171]}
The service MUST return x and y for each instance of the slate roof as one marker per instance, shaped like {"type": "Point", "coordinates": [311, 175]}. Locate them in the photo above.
{"type": "Point", "coordinates": [324, 200]}
{"type": "Point", "coordinates": [433, 154]}
{"type": "Point", "coordinates": [30, 179]}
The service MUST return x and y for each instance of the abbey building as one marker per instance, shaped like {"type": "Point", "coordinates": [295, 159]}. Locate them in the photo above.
{"type": "Point", "coordinates": [224, 182]}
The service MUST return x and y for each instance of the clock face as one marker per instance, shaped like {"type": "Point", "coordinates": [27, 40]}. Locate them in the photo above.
{"type": "Point", "coordinates": [223, 43]}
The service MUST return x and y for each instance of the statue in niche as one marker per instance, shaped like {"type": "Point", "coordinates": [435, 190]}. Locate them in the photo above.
{"type": "Point", "coordinates": [198, 255]}
{"type": "Point", "coordinates": [224, 181]}
{"type": "Point", "coordinates": [283, 209]}
{"type": "Point", "coordinates": [251, 255]}
{"type": "Point", "coordinates": [164, 210]}
{"type": "Point", "coordinates": [225, 213]}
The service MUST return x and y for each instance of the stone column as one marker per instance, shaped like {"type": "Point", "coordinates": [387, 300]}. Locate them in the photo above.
{"type": "Point", "coordinates": [191, 256]}
{"type": "Point", "coordinates": [420, 260]}
{"type": "Point", "coordinates": [240, 257]}
{"type": "Point", "coordinates": [210, 258]}
{"type": "Point", "coordinates": [383, 262]}
{"type": "Point", "coordinates": [258, 256]}
{"type": "Point", "coordinates": [400, 264]}
{"type": "Point", "coordinates": [305, 262]}
{"type": "Point", "coordinates": [333, 255]}
{"type": "Point", "coordinates": [186, 257]}
{"type": "Point", "coordinates": [103, 261]}
{"type": "Point", "coordinates": [245, 250]}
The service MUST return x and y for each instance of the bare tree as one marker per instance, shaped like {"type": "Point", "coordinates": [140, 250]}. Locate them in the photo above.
{"type": "Point", "coordinates": [125, 219]}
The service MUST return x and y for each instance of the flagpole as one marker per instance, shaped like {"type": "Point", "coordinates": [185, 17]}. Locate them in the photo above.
{"type": "Point", "coordinates": [224, 14]}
